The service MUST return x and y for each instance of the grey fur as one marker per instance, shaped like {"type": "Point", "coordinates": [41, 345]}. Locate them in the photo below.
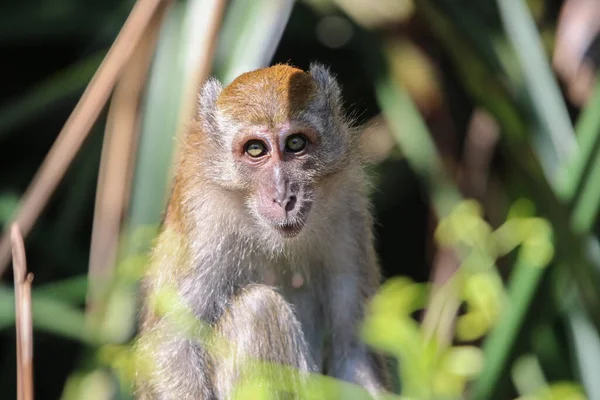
{"type": "Point", "coordinates": [328, 87]}
{"type": "Point", "coordinates": [207, 103]}
{"type": "Point", "coordinates": [232, 270]}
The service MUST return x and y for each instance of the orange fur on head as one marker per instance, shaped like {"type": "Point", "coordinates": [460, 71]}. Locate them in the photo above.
{"type": "Point", "coordinates": [268, 96]}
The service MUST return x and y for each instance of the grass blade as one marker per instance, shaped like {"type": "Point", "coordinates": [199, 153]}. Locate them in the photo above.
{"type": "Point", "coordinates": [160, 112]}
{"type": "Point", "coordinates": [251, 33]}
{"type": "Point", "coordinates": [542, 87]}
{"type": "Point", "coordinates": [48, 313]}
{"type": "Point", "coordinates": [522, 286]}
{"type": "Point", "coordinates": [573, 169]}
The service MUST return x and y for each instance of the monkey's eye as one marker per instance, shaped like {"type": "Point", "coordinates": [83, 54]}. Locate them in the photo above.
{"type": "Point", "coordinates": [296, 143]}
{"type": "Point", "coordinates": [256, 148]}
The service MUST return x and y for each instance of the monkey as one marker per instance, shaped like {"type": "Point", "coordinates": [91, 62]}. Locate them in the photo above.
{"type": "Point", "coordinates": [267, 237]}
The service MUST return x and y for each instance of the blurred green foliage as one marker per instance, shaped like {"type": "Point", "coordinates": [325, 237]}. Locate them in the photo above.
{"type": "Point", "coordinates": [509, 324]}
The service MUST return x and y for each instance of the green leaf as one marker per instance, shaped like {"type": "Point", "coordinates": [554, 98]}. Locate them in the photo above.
{"type": "Point", "coordinates": [48, 314]}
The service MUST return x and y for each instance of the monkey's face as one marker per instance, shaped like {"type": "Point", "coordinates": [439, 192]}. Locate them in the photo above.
{"type": "Point", "coordinates": [275, 166]}
{"type": "Point", "coordinates": [282, 138]}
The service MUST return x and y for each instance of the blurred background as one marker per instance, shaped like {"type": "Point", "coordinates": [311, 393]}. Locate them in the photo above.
{"type": "Point", "coordinates": [482, 124]}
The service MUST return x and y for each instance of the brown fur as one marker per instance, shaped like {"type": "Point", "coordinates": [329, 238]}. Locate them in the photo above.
{"type": "Point", "coordinates": [268, 96]}
{"type": "Point", "coordinates": [223, 253]}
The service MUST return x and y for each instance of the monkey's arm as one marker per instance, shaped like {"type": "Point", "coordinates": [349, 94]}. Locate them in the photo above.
{"type": "Point", "coordinates": [173, 363]}
{"type": "Point", "coordinates": [350, 358]}
{"type": "Point", "coordinates": [349, 290]}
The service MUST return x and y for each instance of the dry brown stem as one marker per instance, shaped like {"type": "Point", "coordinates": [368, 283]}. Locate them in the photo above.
{"type": "Point", "coordinates": [24, 325]}
{"type": "Point", "coordinates": [80, 122]}
{"type": "Point", "coordinates": [118, 158]}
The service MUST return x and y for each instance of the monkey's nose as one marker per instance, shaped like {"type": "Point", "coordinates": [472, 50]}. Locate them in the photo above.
{"type": "Point", "coordinates": [286, 202]}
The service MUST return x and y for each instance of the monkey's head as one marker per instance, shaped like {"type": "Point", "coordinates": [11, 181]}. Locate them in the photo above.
{"type": "Point", "coordinates": [280, 138]}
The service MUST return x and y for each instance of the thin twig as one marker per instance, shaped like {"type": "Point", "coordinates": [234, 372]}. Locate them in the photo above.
{"type": "Point", "coordinates": [78, 125]}
{"type": "Point", "coordinates": [480, 144]}
{"type": "Point", "coordinates": [473, 170]}
{"type": "Point", "coordinates": [443, 304]}
{"type": "Point", "coordinates": [23, 322]}
{"type": "Point", "coordinates": [118, 159]}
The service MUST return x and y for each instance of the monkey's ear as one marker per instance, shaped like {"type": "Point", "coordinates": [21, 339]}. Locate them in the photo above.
{"type": "Point", "coordinates": [327, 85]}
{"type": "Point", "coordinates": [207, 100]}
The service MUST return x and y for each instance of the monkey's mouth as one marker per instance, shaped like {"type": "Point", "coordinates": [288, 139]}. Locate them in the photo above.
{"type": "Point", "coordinates": [291, 224]}
{"type": "Point", "coordinates": [289, 229]}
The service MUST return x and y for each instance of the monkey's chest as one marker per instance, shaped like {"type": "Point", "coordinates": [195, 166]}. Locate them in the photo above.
{"type": "Point", "coordinates": [302, 291]}
{"type": "Point", "coordinates": [297, 287]}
